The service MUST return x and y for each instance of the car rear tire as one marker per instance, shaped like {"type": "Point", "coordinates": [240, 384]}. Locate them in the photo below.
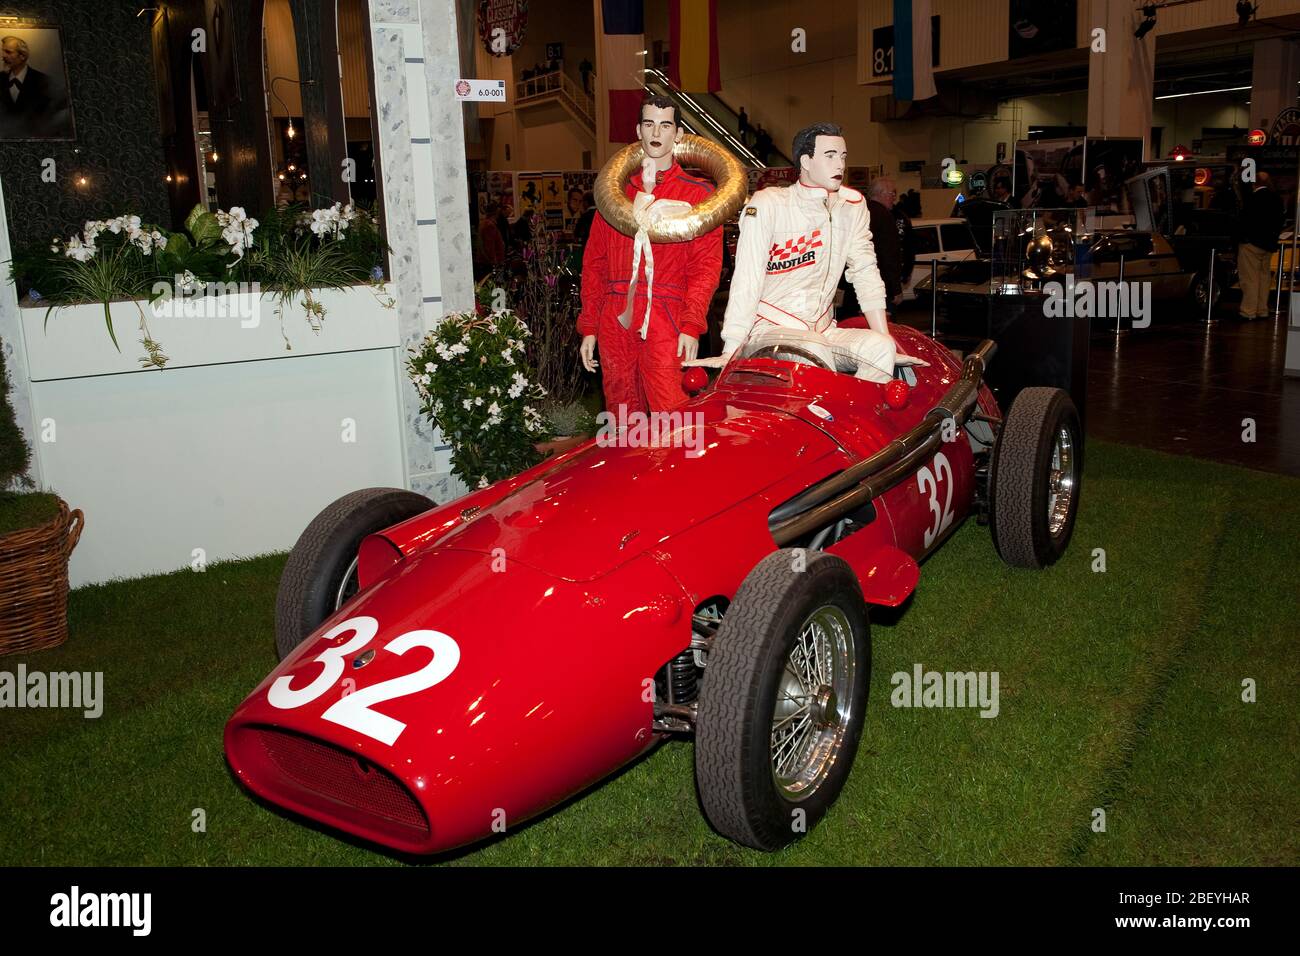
{"type": "Point", "coordinates": [783, 699]}
{"type": "Point", "coordinates": [1035, 479]}
{"type": "Point", "coordinates": [320, 575]}
{"type": "Point", "coordinates": [1199, 291]}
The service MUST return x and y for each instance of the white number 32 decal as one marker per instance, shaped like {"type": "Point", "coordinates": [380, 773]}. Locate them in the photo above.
{"type": "Point", "coordinates": [929, 485]}
{"type": "Point", "coordinates": [353, 710]}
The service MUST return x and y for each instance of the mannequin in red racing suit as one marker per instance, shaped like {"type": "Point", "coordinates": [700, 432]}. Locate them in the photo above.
{"type": "Point", "coordinates": [645, 374]}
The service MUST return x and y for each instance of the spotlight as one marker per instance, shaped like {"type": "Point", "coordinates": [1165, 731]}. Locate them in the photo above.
{"type": "Point", "coordinates": [291, 132]}
{"type": "Point", "coordinates": [1245, 12]}
{"type": "Point", "coordinates": [1147, 25]}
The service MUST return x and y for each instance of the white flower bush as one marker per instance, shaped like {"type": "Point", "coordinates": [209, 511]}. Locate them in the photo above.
{"type": "Point", "coordinates": [478, 391]}
{"type": "Point", "coordinates": [83, 247]}
{"type": "Point", "coordinates": [237, 229]}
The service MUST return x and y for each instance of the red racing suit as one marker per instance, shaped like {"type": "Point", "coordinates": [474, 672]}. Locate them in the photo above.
{"type": "Point", "coordinates": [645, 374]}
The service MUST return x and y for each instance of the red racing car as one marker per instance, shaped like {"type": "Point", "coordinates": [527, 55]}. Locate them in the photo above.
{"type": "Point", "coordinates": [449, 671]}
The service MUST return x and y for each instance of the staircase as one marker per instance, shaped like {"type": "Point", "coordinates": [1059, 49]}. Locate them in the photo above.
{"type": "Point", "coordinates": [557, 87]}
{"type": "Point", "coordinates": [706, 115]}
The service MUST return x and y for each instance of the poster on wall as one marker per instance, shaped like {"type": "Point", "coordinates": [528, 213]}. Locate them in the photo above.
{"type": "Point", "coordinates": [1038, 27]}
{"type": "Point", "coordinates": [576, 186]}
{"type": "Point", "coordinates": [494, 187]}
{"type": "Point", "coordinates": [502, 25]}
{"type": "Point", "coordinates": [1107, 164]}
{"type": "Point", "coordinates": [223, 69]}
{"type": "Point", "coordinates": [34, 90]}
{"type": "Point", "coordinates": [1045, 172]}
{"type": "Point", "coordinates": [553, 201]}
{"type": "Point", "coordinates": [529, 193]}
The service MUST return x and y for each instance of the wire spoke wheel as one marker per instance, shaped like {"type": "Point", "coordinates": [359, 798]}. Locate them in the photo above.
{"type": "Point", "coordinates": [813, 702]}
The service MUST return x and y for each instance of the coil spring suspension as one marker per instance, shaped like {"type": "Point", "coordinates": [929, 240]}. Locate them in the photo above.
{"type": "Point", "coordinates": [683, 679]}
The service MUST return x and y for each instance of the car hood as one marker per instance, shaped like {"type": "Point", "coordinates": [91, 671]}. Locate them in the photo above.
{"type": "Point", "coordinates": [611, 503]}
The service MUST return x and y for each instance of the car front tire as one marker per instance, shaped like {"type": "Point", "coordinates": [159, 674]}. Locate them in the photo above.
{"type": "Point", "coordinates": [320, 575]}
{"type": "Point", "coordinates": [783, 699]}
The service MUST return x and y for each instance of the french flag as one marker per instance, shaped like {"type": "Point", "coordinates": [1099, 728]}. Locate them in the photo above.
{"type": "Point", "coordinates": [619, 64]}
{"type": "Point", "coordinates": [913, 73]}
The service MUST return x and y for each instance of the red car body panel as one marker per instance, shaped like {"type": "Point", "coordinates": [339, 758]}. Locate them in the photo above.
{"type": "Point", "coordinates": [546, 604]}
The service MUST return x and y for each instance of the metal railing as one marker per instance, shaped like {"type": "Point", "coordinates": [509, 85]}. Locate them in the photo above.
{"type": "Point", "coordinates": [557, 85]}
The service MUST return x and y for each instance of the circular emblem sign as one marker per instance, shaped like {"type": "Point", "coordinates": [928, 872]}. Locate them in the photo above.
{"type": "Point", "coordinates": [1257, 137]}
{"type": "Point", "coordinates": [501, 25]}
{"type": "Point", "coordinates": [1286, 128]}
{"type": "Point", "coordinates": [978, 180]}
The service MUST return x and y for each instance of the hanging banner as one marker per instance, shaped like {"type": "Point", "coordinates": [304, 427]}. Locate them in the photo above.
{"type": "Point", "coordinates": [502, 25]}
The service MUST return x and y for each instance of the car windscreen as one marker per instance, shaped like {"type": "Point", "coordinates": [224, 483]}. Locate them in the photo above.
{"type": "Point", "coordinates": [925, 239]}
{"type": "Point", "coordinates": [957, 237]}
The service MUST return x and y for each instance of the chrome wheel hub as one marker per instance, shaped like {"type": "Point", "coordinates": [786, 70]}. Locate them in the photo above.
{"type": "Point", "coordinates": [1060, 481]}
{"type": "Point", "coordinates": [813, 703]}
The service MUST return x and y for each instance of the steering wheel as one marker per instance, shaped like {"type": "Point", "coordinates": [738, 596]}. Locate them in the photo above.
{"type": "Point", "coordinates": [789, 352]}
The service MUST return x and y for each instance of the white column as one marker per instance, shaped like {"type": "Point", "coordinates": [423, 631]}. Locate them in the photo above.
{"type": "Point", "coordinates": [1121, 81]}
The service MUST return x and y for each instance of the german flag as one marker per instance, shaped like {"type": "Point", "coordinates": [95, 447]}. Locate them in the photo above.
{"type": "Point", "coordinates": [693, 33]}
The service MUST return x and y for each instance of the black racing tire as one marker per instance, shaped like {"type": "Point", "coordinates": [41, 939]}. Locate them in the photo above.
{"type": "Point", "coordinates": [1021, 478]}
{"type": "Point", "coordinates": [323, 556]}
{"type": "Point", "coordinates": [746, 669]}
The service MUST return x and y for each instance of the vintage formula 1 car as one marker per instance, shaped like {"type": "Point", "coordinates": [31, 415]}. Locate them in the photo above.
{"type": "Point", "coordinates": [449, 671]}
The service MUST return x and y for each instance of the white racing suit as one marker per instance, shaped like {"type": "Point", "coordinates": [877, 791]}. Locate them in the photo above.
{"type": "Point", "coordinates": [795, 242]}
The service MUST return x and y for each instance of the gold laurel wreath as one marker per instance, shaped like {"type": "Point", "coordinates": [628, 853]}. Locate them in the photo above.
{"type": "Point", "coordinates": [732, 189]}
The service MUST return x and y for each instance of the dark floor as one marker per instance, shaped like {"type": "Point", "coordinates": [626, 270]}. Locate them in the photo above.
{"type": "Point", "coordinates": [1185, 387]}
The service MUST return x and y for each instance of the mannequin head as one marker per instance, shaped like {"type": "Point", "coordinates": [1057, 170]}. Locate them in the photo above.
{"type": "Point", "coordinates": [822, 154]}
{"type": "Point", "coordinates": [659, 130]}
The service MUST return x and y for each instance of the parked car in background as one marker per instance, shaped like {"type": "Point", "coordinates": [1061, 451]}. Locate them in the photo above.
{"type": "Point", "coordinates": [938, 240]}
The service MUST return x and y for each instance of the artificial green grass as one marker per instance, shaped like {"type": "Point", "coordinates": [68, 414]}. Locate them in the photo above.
{"type": "Point", "coordinates": [1120, 690]}
{"type": "Point", "coordinates": [18, 512]}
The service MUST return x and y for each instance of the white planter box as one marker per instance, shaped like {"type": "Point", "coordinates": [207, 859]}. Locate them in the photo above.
{"type": "Point", "coordinates": [215, 330]}
{"type": "Point", "coordinates": [228, 451]}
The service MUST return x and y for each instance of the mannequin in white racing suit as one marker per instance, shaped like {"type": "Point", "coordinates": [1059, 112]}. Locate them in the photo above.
{"type": "Point", "coordinates": [795, 242]}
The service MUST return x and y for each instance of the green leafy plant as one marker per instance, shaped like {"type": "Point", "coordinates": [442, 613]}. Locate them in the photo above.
{"type": "Point", "coordinates": [289, 252]}
{"type": "Point", "coordinates": [15, 456]}
{"type": "Point", "coordinates": [542, 289]}
{"type": "Point", "coordinates": [478, 390]}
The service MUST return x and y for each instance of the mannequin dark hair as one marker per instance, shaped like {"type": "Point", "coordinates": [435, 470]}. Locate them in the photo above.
{"type": "Point", "coordinates": [805, 141]}
{"type": "Point", "coordinates": [659, 102]}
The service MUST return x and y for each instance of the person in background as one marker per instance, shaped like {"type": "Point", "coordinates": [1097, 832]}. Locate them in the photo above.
{"type": "Point", "coordinates": [882, 194]}
{"type": "Point", "coordinates": [1001, 190]}
{"type": "Point", "coordinates": [906, 242]}
{"type": "Point", "coordinates": [584, 69]}
{"type": "Point", "coordinates": [582, 228]}
{"type": "Point", "coordinates": [762, 143]}
{"type": "Point", "coordinates": [523, 229]}
{"type": "Point", "coordinates": [1261, 221]}
{"type": "Point", "coordinates": [494, 244]}
{"type": "Point", "coordinates": [743, 127]}
{"type": "Point", "coordinates": [503, 227]}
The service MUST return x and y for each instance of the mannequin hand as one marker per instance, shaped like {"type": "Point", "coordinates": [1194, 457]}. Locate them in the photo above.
{"type": "Point", "coordinates": [588, 352]}
{"type": "Point", "coordinates": [901, 359]}
{"type": "Point", "coordinates": [647, 175]}
{"type": "Point", "coordinates": [688, 346]}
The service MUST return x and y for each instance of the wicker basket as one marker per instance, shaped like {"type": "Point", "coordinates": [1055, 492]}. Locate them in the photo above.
{"type": "Point", "coordinates": [34, 583]}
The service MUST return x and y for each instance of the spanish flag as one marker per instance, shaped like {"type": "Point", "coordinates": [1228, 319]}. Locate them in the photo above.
{"type": "Point", "coordinates": [693, 32]}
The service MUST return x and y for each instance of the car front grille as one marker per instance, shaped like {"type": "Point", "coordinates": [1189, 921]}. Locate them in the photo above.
{"type": "Point", "coordinates": [334, 776]}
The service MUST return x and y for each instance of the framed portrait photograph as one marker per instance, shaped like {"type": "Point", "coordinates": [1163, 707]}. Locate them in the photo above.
{"type": "Point", "coordinates": [35, 103]}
